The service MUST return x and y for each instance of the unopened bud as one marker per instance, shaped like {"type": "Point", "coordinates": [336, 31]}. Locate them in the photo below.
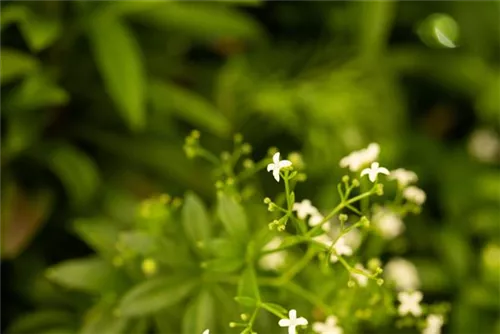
{"type": "Point", "coordinates": [149, 267]}
{"type": "Point", "coordinates": [355, 183]}
{"type": "Point", "coordinates": [345, 178]}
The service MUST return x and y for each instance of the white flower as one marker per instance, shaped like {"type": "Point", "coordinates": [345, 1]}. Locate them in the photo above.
{"type": "Point", "coordinates": [403, 177]}
{"type": "Point", "coordinates": [351, 238]}
{"type": "Point", "coordinates": [415, 195]}
{"type": "Point", "coordinates": [277, 165]}
{"type": "Point", "coordinates": [292, 322]}
{"type": "Point", "coordinates": [341, 248]}
{"type": "Point", "coordinates": [357, 159]}
{"type": "Point", "coordinates": [388, 223]}
{"type": "Point", "coordinates": [273, 261]}
{"type": "Point", "coordinates": [403, 273]}
{"type": "Point", "coordinates": [374, 170]}
{"type": "Point", "coordinates": [433, 324]}
{"type": "Point", "coordinates": [484, 145]}
{"type": "Point", "coordinates": [410, 303]}
{"type": "Point", "coordinates": [328, 327]}
{"type": "Point", "coordinates": [206, 331]}
{"type": "Point", "coordinates": [362, 279]}
{"type": "Point", "coordinates": [304, 209]}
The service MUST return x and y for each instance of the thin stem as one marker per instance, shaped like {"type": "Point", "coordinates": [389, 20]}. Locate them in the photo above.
{"type": "Point", "coordinates": [294, 270]}
{"type": "Point", "coordinates": [308, 295]}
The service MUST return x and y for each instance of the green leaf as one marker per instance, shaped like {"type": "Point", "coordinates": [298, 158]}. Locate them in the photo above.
{"type": "Point", "coordinates": [39, 31]}
{"type": "Point", "coordinates": [233, 217]}
{"type": "Point", "coordinates": [119, 61]}
{"type": "Point", "coordinates": [39, 321]}
{"type": "Point", "coordinates": [195, 220]}
{"type": "Point", "coordinates": [90, 274]}
{"type": "Point", "coordinates": [12, 14]}
{"type": "Point", "coordinates": [98, 233]}
{"type": "Point", "coordinates": [15, 64]}
{"type": "Point", "coordinates": [102, 319]}
{"type": "Point", "coordinates": [224, 265]}
{"type": "Point", "coordinates": [247, 286]}
{"type": "Point", "coordinates": [188, 106]}
{"type": "Point", "coordinates": [200, 314]}
{"type": "Point", "coordinates": [277, 308]}
{"type": "Point", "coordinates": [153, 295]}
{"type": "Point", "coordinates": [246, 301]}
{"type": "Point", "coordinates": [75, 169]}
{"type": "Point", "coordinates": [225, 248]}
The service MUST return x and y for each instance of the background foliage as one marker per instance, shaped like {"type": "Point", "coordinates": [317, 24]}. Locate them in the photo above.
{"type": "Point", "coordinates": [97, 98]}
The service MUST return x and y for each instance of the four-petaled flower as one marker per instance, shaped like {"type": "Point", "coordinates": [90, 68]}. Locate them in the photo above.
{"type": "Point", "coordinates": [277, 165]}
{"type": "Point", "coordinates": [292, 322]}
{"type": "Point", "coordinates": [328, 327]}
{"type": "Point", "coordinates": [410, 303]}
{"type": "Point", "coordinates": [415, 195]}
{"type": "Point", "coordinates": [304, 209]}
{"type": "Point", "coordinates": [433, 324]}
{"type": "Point", "coordinates": [374, 170]}
{"type": "Point", "coordinates": [403, 177]}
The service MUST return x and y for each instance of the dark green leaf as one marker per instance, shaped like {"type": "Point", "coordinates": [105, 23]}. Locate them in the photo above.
{"type": "Point", "coordinates": [39, 31]}
{"type": "Point", "coordinates": [15, 64]}
{"type": "Point", "coordinates": [98, 233]}
{"type": "Point", "coordinates": [102, 319]}
{"type": "Point", "coordinates": [233, 217]}
{"type": "Point", "coordinates": [40, 321]}
{"type": "Point", "coordinates": [200, 314]}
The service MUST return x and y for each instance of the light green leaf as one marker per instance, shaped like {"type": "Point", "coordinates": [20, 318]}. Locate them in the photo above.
{"type": "Point", "coordinates": [246, 301]}
{"type": "Point", "coordinates": [90, 274]}
{"type": "Point", "coordinates": [195, 220]}
{"type": "Point", "coordinates": [224, 265]}
{"type": "Point", "coordinates": [98, 233]}
{"type": "Point", "coordinates": [233, 217]}
{"type": "Point", "coordinates": [37, 322]}
{"type": "Point", "coordinates": [225, 248]}
{"type": "Point", "coordinates": [188, 106]}
{"type": "Point", "coordinates": [153, 295]}
{"type": "Point", "coordinates": [101, 319]}
{"type": "Point", "coordinates": [118, 59]}
{"type": "Point", "coordinates": [247, 286]}
{"type": "Point", "coordinates": [15, 64]}
{"type": "Point", "coordinates": [200, 314]}
{"type": "Point", "coordinates": [40, 32]}
{"type": "Point", "coordinates": [12, 14]}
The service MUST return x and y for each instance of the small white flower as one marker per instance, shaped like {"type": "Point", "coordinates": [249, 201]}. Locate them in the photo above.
{"type": "Point", "coordinates": [403, 177]}
{"type": "Point", "coordinates": [292, 322]}
{"type": "Point", "coordinates": [304, 209]}
{"type": "Point", "coordinates": [324, 240]}
{"type": "Point", "coordinates": [357, 159]}
{"type": "Point", "coordinates": [206, 331]}
{"type": "Point", "coordinates": [277, 165]}
{"type": "Point", "coordinates": [433, 324]}
{"type": "Point", "coordinates": [328, 327]}
{"type": "Point", "coordinates": [273, 261]}
{"type": "Point", "coordinates": [410, 303]}
{"type": "Point", "coordinates": [362, 279]}
{"type": "Point", "coordinates": [388, 223]}
{"type": "Point", "coordinates": [316, 219]}
{"type": "Point", "coordinates": [415, 195]}
{"type": "Point", "coordinates": [484, 145]}
{"type": "Point", "coordinates": [374, 170]}
{"type": "Point", "coordinates": [341, 248]}
{"type": "Point", "coordinates": [403, 273]}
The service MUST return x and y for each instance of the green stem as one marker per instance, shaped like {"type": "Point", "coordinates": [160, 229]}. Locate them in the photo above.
{"type": "Point", "coordinates": [294, 270]}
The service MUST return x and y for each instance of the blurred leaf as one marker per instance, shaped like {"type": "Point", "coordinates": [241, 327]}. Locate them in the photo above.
{"type": "Point", "coordinates": [22, 216]}
{"type": "Point", "coordinates": [39, 31]}
{"type": "Point", "coordinates": [247, 286]}
{"type": "Point", "coordinates": [12, 14]}
{"type": "Point", "coordinates": [200, 314]}
{"type": "Point", "coordinates": [195, 220]}
{"type": "Point", "coordinates": [15, 64]}
{"type": "Point", "coordinates": [225, 248]}
{"type": "Point", "coordinates": [23, 131]}
{"type": "Point", "coordinates": [233, 217]}
{"type": "Point", "coordinates": [224, 265]}
{"type": "Point", "coordinates": [41, 321]}
{"type": "Point", "coordinates": [153, 295]}
{"type": "Point", "coordinates": [118, 58]}
{"type": "Point", "coordinates": [76, 170]}
{"type": "Point", "coordinates": [204, 21]}
{"type": "Point", "coordinates": [376, 24]}
{"type": "Point", "coordinates": [98, 233]}
{"type": "Point", "coordinates": [456, 252]}
{"type": "Point", "coordinates": [246, 301]}
{"type": "Point", "coordinates": [90, 274]}
{"type": "Point", "coordinates": [102, 319]}
{"type": "Point", "coordinates": [188, 106]}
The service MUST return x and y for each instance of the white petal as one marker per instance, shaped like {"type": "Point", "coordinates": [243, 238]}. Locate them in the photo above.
{"type": "Point", "coordinates": [276, 174]}
{"type": "Point", "coordinates": [301, 321]}
{"type": "Point", "coordinates": [365, 171]}
{"type": "Point", "coordinates": [292, 314]}
{"type": "Point", "coordinates": [383, 170]}
{"type": "Point", "coordinates": [284, 323]}
{"type": "Point", "coordinates": [285, 163]}
{"type": "Point", "coordinates": [206, 331]}
{"type": "Point", "coordinates": [372, 176]}
{"type": "Point", "coordinates": [270, 167]}
{"type": "Point", "coordinates": [276, 158]}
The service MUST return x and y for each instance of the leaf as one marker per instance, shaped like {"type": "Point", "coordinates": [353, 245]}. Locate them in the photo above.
{"type": "Point", "coordinates": [118, 59]}
{"type": "Point", "coordinates": [98, 233]}
{"type": "Point", "coordinates": [195, 220]}
{"type": "Point", "coordinates": [225, 248]}
{"type": "Point", "coordinates": [16, 64]}
{"type": "Point", "coordinates": [247, 286]}
{"type": "Point", "coordinates": [277, 308]}
{"type": "Point", "coordinates": [188, 106]}
{"type": "Point", "coordinates": [12, 14]}
{"type": "Point", "coordinates": [224, 265]}
{"type": "Point", "coordinates": [233, 217]}
{"type": "Point", "coordinates": [200, 314]}
{"type": "Point", "coordinates": [246, 301]}
{"type": "Point", "coordinates": [76, 170]}
{"type": "Point", "coordinates": [102, 319]}
{"type": "Point", "coordinates": [153, 295]}
{"type": "Point", "coordinates": [90, 274]}
{"type": "Point", "coordinates": [39, 31]}
{"type": "Point", "coordinates": [39, 321]}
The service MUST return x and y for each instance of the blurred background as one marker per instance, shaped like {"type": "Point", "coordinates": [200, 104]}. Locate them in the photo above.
{"type": "Point", "coordinates": [97, 98]}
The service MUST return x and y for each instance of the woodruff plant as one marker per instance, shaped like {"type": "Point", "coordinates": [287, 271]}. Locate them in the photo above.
{"type": "Point", "coordinates": [250, 267]}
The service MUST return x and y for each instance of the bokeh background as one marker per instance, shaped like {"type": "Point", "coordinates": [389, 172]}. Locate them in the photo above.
{"type": "Point", "coordinates": [97, 98]}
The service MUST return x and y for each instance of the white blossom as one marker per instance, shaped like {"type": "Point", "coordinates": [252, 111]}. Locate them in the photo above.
{"type": "Point", "coordinates": [341, 248]}
{"type": "Point", "coordinates": [484, 145]}
{"type": "Point", "coordinates": [388, 223]}
{"type": "Point", "coordinates": [402, 273]}
{"type": "Point", "coordinates": [415, 195]}
{"type": "Point", "coordinates": [352, 238]}
{"type": "Point", "coordinates": [277, 165]}
{"type": "Point", "coordinates": [410, 303]}
{"type": "Point", "coordinates": [374, 170]}
{"type": "Point", "coordinates": [361, 279]}
{"type": "Point", "coordinates": [358, 159]}
{"type": "Point", "coordinates": [206, 331]}
{"type": "Point", "coordinates": [328, 327]}
{"type": "Point", "coordinates": [433, 324]}
{"type": "Point", "coordinates": [273, 261]}
{"type": "Point", "coordinates": [304, 209]}
{"type": "Point", "coordinates": [403, 177]}
{"type": "Point", "coordinates": [292, 322]}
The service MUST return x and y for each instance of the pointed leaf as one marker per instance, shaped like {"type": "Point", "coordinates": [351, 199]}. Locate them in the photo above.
{"type": "Point", "coordinates": [15, 64]}
{"type": "Point", "coordinates": [200, 314]}
{"type": "Point", "coordinates": [195, 220]}
{"type": "Point", "coordinates": [233, 217]}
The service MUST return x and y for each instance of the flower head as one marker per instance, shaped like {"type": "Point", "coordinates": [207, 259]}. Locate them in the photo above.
{"type": "Point", "coordinates": [388, 223]}
{"type": "Point", "coordinates": [410, 303]}
{"type": "Point", "coordinates": [357, 159]}
{"type": "Point", "coordinates": [273, 261]}
{"type": "Point", "coordinates": [328, 327]}
{"type": "Point", "coordinates": [277, 165]}
{"type": "Point", "coordinates": [403, 177]}
{"type": "Point", "coordinates": [415, 195]}
{"type": "Point", "coordinates": [374, 170]}
{"type": "Point", "coordinates": [433, 324]}
{"type": "Point", "coordinates": [403, 273]}
{"type": "Point", "coordinates": [304, 209]}
{"type": "Point", "coordinates": [292, 322]}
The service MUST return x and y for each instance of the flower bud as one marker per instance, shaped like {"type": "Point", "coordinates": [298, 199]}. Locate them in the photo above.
{"type": "Point", "coordinates": [343, 217]}
{"type": "Point", "coordinates": [355, 183]}
{"type": "Point", "coordinates": [246, 148]}
{"type": "Point", "coordinates": [345, 178]}
{"type": "Point", "coordinates": [238, 138]}
{"type": "Point", "coordinates": [149, 267]}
